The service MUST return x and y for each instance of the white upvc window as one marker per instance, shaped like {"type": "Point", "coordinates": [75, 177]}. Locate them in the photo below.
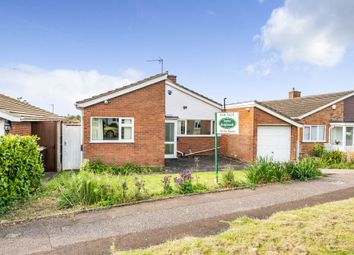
{"type": "Point", "coordinates": [193, 127]}
{"type": "Point", "coordinates": [112, 130]}
{"type": "Point", "coordinates": [314, 133]}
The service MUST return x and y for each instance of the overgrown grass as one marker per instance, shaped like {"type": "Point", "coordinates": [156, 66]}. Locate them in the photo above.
{"type": "Point", "coordinates": [323, 229]}
{"type": "Point", "coordinates": [265, 171]}
{"type": "Point", "coordinates": [332, 159]}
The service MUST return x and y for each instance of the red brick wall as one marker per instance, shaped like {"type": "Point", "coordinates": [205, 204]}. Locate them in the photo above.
{"type": "Point", "coordinates": [244, 145]}
{"type": "Point", "coordinates": [147, 106]}
{"type": "Point", "coordinates": [240, 146]}
{"type": "Point", "coordinates": [194, 144]}
{"type": "Point", "coordinates": [21, 128]}
{"type": "Point", "coordinates": [323, 117]}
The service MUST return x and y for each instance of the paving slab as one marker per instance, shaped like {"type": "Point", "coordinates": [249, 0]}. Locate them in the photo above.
{"type": "Point", "coordinates": [144, 224]}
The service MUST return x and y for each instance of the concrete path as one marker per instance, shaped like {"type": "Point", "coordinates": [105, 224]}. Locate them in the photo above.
{"type": "Point", "coordinates": [151, 223]}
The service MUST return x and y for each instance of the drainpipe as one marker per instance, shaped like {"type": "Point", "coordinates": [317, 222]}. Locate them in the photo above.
{"type": "Point", "coordinates": [225, 104]}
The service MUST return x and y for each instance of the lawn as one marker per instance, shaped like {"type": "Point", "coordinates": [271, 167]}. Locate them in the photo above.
{"type": "Point", "coordinates": [46, 202]}
{"type": "Point", "coordinates": [323, 229]}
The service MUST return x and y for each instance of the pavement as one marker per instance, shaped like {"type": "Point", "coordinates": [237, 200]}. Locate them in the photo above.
{"type": "Point", "coordinates": [150, 223]}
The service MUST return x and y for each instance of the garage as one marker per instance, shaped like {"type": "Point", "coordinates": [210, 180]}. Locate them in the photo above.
{"type": "Point", "coordinates": [274, 142]}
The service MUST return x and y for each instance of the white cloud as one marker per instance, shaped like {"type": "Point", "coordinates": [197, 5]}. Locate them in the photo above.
{"type": "Point", "coordinates": [317, 32]}
{"type": "Point", "coordinates": [262, 67]}
{"type": "Point", "coordinates": [61, 87]}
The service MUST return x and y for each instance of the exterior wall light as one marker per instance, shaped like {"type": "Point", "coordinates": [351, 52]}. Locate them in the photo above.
{"type": "Point", "coordinates": [184, 107]}
{"type": "Point", "coordinates": [105, 102]}
{"type": "Point", "coordinates": [7, 126]}
{"type": "Point", "coordinates": [334, 107]}
{"type": "Point", "coordinates": [169, 92]}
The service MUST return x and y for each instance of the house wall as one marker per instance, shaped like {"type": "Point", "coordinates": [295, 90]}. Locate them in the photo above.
{"type": "Point", "coordinates": [244, 145]}
{"type": "Point", "coordinates": [2, 126]}
{"type": "Point", "coordinates": [21, 128]}
{"type": "Point", "coordinates": [349, 109]}
{"type": "Point", "coordinates": [196, 109]}
{"type": "Point", "coordinates": [147, 107]}
{"type": "Point", "coordinates": [195, 144]}
{"type": "Point", "coordinates": [323, 117]}
{"type": "Point", "coordinates": [241, 146]}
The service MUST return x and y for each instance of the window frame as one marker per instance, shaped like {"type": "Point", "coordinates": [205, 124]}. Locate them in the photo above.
{"type": "Point", "coordinates": [318, 132]}
{"type": "Point", "coordinates": [212, 134]}
{"type": "Point", "coordinates": [120, 125]}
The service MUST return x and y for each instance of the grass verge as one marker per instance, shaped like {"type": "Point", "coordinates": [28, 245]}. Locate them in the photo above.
{"type": "Point", "coordinates": [323, 229]}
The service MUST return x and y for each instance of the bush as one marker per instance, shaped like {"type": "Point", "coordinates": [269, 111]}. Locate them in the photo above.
{"type": "Point", "coordinates": [265, 171]}
{"type": "Point", "coordinates": [318, 150]}
{"type": "Point", "coordinates": [184, 182]}
{"type": "Point", "coordinates": [21, 169]}
{"type": "Point", "coordinates": [167, 187]}
{"type": "Point", "coordinates": [86, 188]}
{"type": "Point", "coordinates": [228, 179]}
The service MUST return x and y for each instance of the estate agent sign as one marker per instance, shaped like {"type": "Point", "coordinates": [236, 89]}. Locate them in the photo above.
{"type": "Point", "coordinates": [228, 123]}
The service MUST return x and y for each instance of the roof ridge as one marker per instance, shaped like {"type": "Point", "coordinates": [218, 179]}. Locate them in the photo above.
{"type": "Point", "coordinates": [120, 88]}
{"type": "Point", "coordinates": [310, 96]}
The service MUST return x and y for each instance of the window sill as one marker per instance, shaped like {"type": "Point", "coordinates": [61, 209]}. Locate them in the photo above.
{"type": "Point", "coordinates": [130, 141]}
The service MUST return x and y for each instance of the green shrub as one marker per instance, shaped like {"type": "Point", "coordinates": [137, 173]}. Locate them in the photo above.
{"type": "Point", "coordinates": [86, 188]}
{"type": "Point", "coordinates": [184, 182]}
{"type": "Point", "coordinates": [228, 179]}
{"type": "Point", "coordinates": [265, 170]}
{"type": "Point", "coordinates": [318, 150]}
{"type": "Point", "coordinates": [97, 166]}
{"type": "Point", "coordinates": [21, 169]}
{"type": "Point", "coordinates": [333, 157]}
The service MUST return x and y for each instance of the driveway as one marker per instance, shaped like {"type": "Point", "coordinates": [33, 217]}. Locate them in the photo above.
{"type": "Point", "coordinates": [152, 223]}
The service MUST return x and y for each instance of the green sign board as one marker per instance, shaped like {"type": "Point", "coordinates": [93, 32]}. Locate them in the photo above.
{"type": "Point", "coordinates": [227, 123]}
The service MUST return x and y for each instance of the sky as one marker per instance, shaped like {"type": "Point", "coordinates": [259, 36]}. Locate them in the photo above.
{"type": "Point", "coordinates": [58, 52]}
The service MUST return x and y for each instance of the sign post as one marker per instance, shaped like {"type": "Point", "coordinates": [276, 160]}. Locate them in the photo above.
{"type": "Point", "coordinates": [225, 123]}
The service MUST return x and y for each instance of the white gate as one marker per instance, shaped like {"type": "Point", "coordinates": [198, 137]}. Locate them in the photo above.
{"type": "Point", "coordinates": [71, 147]}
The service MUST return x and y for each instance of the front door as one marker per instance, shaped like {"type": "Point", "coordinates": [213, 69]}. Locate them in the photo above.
{"type": "Point", "coordinates": [170, 139]}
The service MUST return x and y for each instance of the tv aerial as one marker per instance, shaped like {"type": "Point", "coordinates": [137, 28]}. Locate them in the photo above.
{"type": "Point", "coordinates": [160, 60]}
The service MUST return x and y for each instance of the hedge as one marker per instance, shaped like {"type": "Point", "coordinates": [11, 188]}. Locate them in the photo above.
{"type": "Point", "coordinates": [21, 169]}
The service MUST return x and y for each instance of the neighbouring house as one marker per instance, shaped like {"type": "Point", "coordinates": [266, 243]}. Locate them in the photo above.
{"type": "Point", "coordinates": [21, 118]}
{"type": "Point", "coordinates": [288, 129]}
{"type": "Point", "coordinates": [146, 122]}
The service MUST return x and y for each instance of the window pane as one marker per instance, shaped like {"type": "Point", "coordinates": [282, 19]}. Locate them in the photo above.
{"type": "Point", "coordinates": [321, 133]}
{"type": "Point", "coordinates": [336, 135]}
{"type": "Point", "coordinates": [126, 133]}
{"type": "Point", "coordinates": [349, 136]}
{"type": "Point", "coordinates": [169, 132]}
{"type": "Point", "coordinates": [314, 133]}
{"type": "Point", "coordinates": [110, 128]}
{"type": "Point", "coordinates": [198, 127]}
{"type": "Point", "coordinates": [169, 149]}
{"type": "Point", "coordinates": [97, 129]}
{"type": "Point", "coordinates": [181, 127]}
{"type": "Point", "coordinates": [126, 121]}
{"type": "Point", "coordinates": [307, 134]}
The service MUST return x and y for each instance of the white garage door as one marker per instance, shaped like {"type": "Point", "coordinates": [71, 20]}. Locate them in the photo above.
{"type": "Point", "coordinates": [274, 142]}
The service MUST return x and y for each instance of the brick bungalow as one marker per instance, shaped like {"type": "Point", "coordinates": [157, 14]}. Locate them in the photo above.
{"type": "Point", "coordinates": [21, 118]}
{"type": "Point", "coordinates": [288, 129]}
{"type": "Point", "coordinates": [146, 122]}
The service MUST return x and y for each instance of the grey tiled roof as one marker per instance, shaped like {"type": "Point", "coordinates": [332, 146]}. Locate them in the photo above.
{"type": "Point", "coordinates": [138, 83]}
{"type": "Point", "coordinates": [24, 110]}
{"type": "Point", "coordinates": [297, 107]}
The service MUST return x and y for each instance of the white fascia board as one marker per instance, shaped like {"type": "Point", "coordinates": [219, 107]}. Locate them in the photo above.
{"type": "Point", "coordinates": [324, 106]}
{"type": "Point", "coordinates": [241, 105]}
{"type": "Point", "coordinates": [277, 115]}
{"type": "Point", "coordinates": [9, 117]}
{"type": "Point", "coordinates": [193, 94]}
{"type": "Point", "coordinates": [121, 92]}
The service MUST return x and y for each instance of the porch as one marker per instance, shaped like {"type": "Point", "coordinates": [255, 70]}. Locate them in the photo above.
{"type": "Point", "coordinates": [341, 137]}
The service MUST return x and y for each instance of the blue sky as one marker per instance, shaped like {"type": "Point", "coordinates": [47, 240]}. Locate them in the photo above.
{"type": "Point", "coordinates": [62, 51]}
